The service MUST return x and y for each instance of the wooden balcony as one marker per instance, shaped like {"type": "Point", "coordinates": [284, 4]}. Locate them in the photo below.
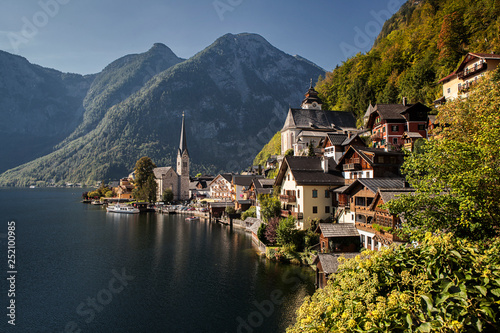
{"type": "Point", "coordinates": [288, 198]}
{"type": "Point", "coordinates": [286, 213]}
{"type": "Point", "coordinates": [369, 228]}
{"type": "Point", "coordinates": [353, 164]}
{"type": "Point", "coordinates": [472, 71]}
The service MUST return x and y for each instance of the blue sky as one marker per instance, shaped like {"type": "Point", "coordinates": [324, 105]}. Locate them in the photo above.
{"type": "Point", "coordinates": [83, 36]}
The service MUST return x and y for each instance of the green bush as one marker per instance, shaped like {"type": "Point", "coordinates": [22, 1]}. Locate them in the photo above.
{"type": "Point", "coordinates": [444, 284]}
{"type": "Point", "coordinates": [250, 212]}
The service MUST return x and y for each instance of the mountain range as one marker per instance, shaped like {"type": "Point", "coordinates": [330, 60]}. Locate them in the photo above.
{"type": "Point", "coordinates": [61, 127]}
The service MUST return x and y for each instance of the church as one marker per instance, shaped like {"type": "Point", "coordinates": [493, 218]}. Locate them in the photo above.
{"type": "Point", "coordinates": [176, 180]}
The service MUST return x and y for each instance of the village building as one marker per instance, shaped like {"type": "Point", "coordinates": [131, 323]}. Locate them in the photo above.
{"type": "Point", "coordinates": [305, 184]}
{"type": "Point", "coordinates": [327, 264]}
{"type": "Point", "coordinates": [335, 144]}
{"type": "Point", "coordinates": [473, 67]}
{"type": "Point", "coordinates": [381, 229]}
{"type": "Point", "coordinates": [124, 189]}
{"type": "Point", "coordinates": [175, 180]}
{"type": "Point", "coordinates": [338, 237]}
{"type": "Point", "coordinates": [240, 193]}
{"type": "Point", "coordinates": [309, 125]}
{"type": "Point", "coordinates": [363, 162]}
{"type": "Point", "coordinates": [221, 187]}
{"type": "Point", "coordinates": [388, 123]}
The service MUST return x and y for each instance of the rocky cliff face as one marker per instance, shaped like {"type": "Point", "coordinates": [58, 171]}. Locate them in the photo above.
{"type": "Point", "coordinates": [235, 95]}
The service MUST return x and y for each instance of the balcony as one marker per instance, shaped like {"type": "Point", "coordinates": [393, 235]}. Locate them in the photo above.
{"type": "Point", "coordinates": [354, 164]}
{"type": "Point", "coordinates": [377, 137]}
{"type": "Point", "coordinates": [286, 213]}
{"type": "Point", "coordinates": [288, 198]}
{"type": "Point", "coordinates": [468, 72]}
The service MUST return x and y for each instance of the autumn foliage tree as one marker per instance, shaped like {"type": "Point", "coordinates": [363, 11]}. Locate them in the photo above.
{"type": "Point", "coordinates": [145, 183]}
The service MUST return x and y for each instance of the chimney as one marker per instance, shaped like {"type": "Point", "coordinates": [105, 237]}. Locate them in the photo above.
{"type": "Point", "coordinates": [324, 164]}
{"type": "Point", "coordinates": [404, 101]}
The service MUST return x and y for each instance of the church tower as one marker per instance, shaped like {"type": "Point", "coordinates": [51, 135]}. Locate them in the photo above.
{"type": "Point", "coordinates": [183, 164]}
{"type": "Point", "coordinates": [312, 100]}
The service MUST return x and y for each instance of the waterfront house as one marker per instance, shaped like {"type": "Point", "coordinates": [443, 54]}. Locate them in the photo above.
{"type": "Point", "coordinates": [240, 190]}
{"type": "Point", "coordinates": [473, 67]}
{"type": "Point", "coordinates": [309, 124]}
{"type": "Point", "coordinates": [328, 264]}
{"type": "Point", "coordinates": [305, 184]}
{"type": "Point", "coordinates": [124, 189]}
{"type": "Point", "coordinates": [363, 162]}
{"type": "Point", "coordinates": [388, 122]}
{"type": "Point", "coordinates": [260, 186]}
{"type": "Point", "coordinates": [380, 230]}
{"type": "Point", "coordinates": [220, 187]}
{"type": "Point", "coordinates": [338, 237]}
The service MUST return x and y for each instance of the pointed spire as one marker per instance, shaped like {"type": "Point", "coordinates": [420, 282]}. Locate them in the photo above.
{"type": "Point", "coordinates": [183, 142]}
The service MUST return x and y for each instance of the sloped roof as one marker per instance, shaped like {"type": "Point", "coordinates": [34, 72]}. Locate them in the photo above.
{"type": "Point", "coordinates": [337, 139]}
{"type": "Point", "coordinates": [308, 171]}
{"type": "Point", "coordinates": [413, 135]}
{"type": "Point", "coordinates": [319, 119]}
{"type": "Point", "coordinates": [338, 230]}
{"type": "Point", "coordinates": [329, 261]}
{"type": "Point", "coordinates": [162, 171]}
{"type": "Point", "coordinates": [388, 194]}
{"type": "Point", "coordinates": [245, 180]}
{"type": "Point", "coordinates": [366, 152]}
{"type": "Point", "coordinates": [373, 184]}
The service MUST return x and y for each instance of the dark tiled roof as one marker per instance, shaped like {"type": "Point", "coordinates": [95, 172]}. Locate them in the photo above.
{"type": "Point", "coordinates": [227, 176]}
{"type": "Point", "coordinates": [329, 261]}
{"type": "Point", "coordinates": [161, 171]}
{"type": "Point", "coordinates": [388, 194]}
{"type": "Point", "coordinates": [373, 184]}
{"type": "Point", "coordinates": [320, 119]}
{"type": "Point", "coordinates": [308, 171]}
{"type": "Point", "coordinates": [338, 230]}
{"type": "Point", "coordinates": [390, 111]}
{"type": "Point", "coordinates": [348, 141]}
{"type": "Point", "coordinates": [337, 139]}
{"type": "Point", "coordinates": [245, 180]}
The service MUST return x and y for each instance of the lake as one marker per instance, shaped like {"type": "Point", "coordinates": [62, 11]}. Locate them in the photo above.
{"type": "Point", "coordinates": [81, 269]}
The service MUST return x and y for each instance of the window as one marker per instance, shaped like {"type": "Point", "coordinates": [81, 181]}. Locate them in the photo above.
{"type": "Point", "coordinates": [395, 141]}
{"type": "Point", "coordinates": [315, 193]}
{"type": "Point", "coordinates": [327, 194]}
{"type": "Point", "coordinates": [380, 159]}
{"type": "Point", "coordinates": [395, 128]}
{"type": "Point", "coordinates": [369, 241]}
{"type": "Point", "coordinates": [327, 209]}
{"type": "Point", "coordinates": [421, 127]}
{"type": "Point", "coordinates": [298, 194]}
{"type": "Point", "coordinates": [383, 129]}
{"type": "Point", "coordinates": [315, 210]}
{"type": "Point", "coordinates": [288, 176]}
{"type": "Point", "coordinates": [360, 201]}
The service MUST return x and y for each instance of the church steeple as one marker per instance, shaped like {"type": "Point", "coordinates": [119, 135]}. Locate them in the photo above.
{"type": "Point", "coordinates": [183, 143]}
{"type": "Point", "coordinates": [312, 100]}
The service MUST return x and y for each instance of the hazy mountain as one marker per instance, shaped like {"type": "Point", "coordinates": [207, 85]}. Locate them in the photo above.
{"type": "Point", "coordinates": [38, 108]}
{"type": "Point", "coordinates": [235, 95]}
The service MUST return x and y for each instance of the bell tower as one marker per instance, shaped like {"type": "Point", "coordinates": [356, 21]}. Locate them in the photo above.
{"type": "Point", "coordinates": [312, 100]}
{"type": "Point", "coordinates": [183, 164]}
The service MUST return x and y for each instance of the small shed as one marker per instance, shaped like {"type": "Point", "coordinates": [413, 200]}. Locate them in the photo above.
{"type": "Point", "coordinates": [338, 237]}
{"type": "Point", "coordinates": [327, 264]}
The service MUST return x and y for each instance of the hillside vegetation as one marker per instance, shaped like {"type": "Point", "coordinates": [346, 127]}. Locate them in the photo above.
{"type": "Point", "coordinates": [273, 147]}
{"type": "Point", "coordinates": [422, 43]}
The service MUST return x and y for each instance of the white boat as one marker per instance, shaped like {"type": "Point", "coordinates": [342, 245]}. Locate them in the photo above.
{"type": "Point", "coordinates": [192, 218]}
{"type": "Point", "coordinates": [125, 209]}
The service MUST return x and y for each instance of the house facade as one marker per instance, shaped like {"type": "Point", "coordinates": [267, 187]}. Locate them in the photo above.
{"type": "Point", "coordinates": [388, 122]}
{"type": "Point", "coordinates": [473, 67]}
{"type": "Point", "coordinates": [306, 184]}
{"type": "Point", "coordinates": [221, 187]}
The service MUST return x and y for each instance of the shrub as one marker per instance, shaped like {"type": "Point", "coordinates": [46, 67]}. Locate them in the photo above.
{"type": "Point", "coordinates": [444, 284]}
{"type": "Point", "coordinates": [261, 233]}
{"type": "Point", "coordinates": [250, 212]}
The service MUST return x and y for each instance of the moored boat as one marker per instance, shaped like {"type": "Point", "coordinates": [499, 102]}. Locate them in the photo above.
{"type": "Point", "coordinates": [192, 218]}
{"type": "Point", "coordinates": [124, 209]}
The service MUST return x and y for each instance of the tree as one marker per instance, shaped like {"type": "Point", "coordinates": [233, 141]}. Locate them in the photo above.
{"type": "Point", "coordinates": [457, 174]}
{"type": "Point", "coordinates": [289, 152]}
{"type": "Point", "coordinates": [310, 150]}
{"type": "Point", "coordinates": [261, 233]}
{"type": "Point", "coordinates": [145, 183]}
{"type": "Point", "coordinates": [285, 233]}
{"type": "Point", "coordinates": [443, 284]}
{"type": "Point", "coordinates": [250, 212]}
{"type": "Point", "coordinates": [270, 232]}
{"type": "Point", "coordinates": [168, 195]}
{"type": "Point", "coordinates": [269, 207]}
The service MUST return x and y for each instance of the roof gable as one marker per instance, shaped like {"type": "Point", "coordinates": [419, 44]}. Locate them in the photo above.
{"type": "Point", "coordinates": [319, 119]}
{"type": "Point", "coordinates": [338, 230]}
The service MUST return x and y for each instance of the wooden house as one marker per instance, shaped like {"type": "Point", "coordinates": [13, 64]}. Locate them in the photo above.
{"type": "Point", "coordinates": [327, 264]}
{"type": "Point", "coordinates": [388, 122]}
{"type": "Point", "coordinates": [220, 187]}
{"type": "Point", "coordinates": [338, 237]}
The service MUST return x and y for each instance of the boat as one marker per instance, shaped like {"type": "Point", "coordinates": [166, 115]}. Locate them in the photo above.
{"type": "Point", "coordinates": [97, 202]}
{"type": "Point", "coordinates": [192, 218]}
{"type": "Point", "coordinates": [124, 209]}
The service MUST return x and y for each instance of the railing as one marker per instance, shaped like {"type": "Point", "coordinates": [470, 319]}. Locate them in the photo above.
{"type": "Point", "coordinates": [471, 71]}
{"type": "Point", "coordinates": [286, 213]}
{"type": "Point", "coordinates": [288, 198]}
{"type": "Point", "coordinates": [351, 166]}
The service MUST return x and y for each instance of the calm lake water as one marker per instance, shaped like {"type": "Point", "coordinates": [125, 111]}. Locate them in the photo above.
{"type": "Point", "coordinates": [80, 269]}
